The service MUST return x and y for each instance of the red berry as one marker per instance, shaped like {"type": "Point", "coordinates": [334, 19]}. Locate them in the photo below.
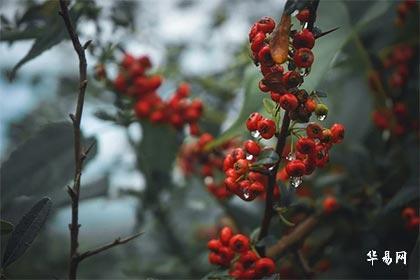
{"type": "Point", "coordinates": [275, 96]}
{"type": "Point", "coordinates": [295, 168]}
{"type": "Point", "coordinates": [145, 61]}
{"type": "Point", "coordinates": [120, 83]}
{"type": "Point", "coordinates": [228, 162]}
{"type": "Point", "coordinates": [258, 42]}
{"type": "Point", "coordinates": [263, 87]}
{"type": "Point", "coordinates": [231, 184]}
{"type": "Point", "coordinates": [265, 267]}
{"type": "Point", "coordinates": [337, 131]}
{"type": "Point", "coordinates": [239, 243]}
{"type": "Point", "coordinates": [214, 245]}
{"type": "Point", "coordinates": [256, 188]}
{"type": "Point", "coordinates": [205, 139]}
{"type": "Point", "coordinates": [252, 147]}
{"type": "Point", "coordinates": [136, 70]}
{"type": "Point", "coordinates": [413, 223]}
{"type": "Point", "coordinates": [289, 102]}
{"type": "Point", "coordinates": [142, 109]}
{"type": "Point", "coordinates": [305, 145]}
{"type": "Point", "coordinates": [266, 128]}
{"type": "Point", "coordinates": [241, 166]}
{"type": "Point", "coordinates": [303, 57]}
{"type": "Point", "coordinates": [127, 61]}
{"type": "Point", "coordinates": [310, 105]}
{"type": "Point", "coordinates": [292, 79]}
{"type": "Point", "coordinates": [330, 204]}
{"type": "Point", "coordinates": [238, 154]}
{"type": "Point", "coordinates": [183, 90]}
{"type": "Point", "coordinates": [252, 121]}
{"type": "Point", "coordinates": [266, 24]}
{"type": "Point", "coordinates": [225, 235]}
{"type": "Point", "coordinates": [408, 213]}
{"type": "Point", "coordinates": [327, 136]}
{"type": "Point", "coordinates": [215, 259]}
{"type": "Point", "coordinates": [314, 130]}
{"type": "Point", "coordinates": [303, 16]}
{"type": "Point", "coordinates": [304, 39]}
{"type": "Point", "coordinates": [248, 259]}
{"type": "Point", "coordinates": [264, 56]}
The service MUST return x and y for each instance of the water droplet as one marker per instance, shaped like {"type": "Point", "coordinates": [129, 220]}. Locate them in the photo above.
{"type": "Point", "coordinates": [255, 133]}
{"type": "Point", "coordinates": [321, 117]}
{"type": "Point", "coordinates": [295, 181]}
{"type": "Point", "coordinates": [302, 71]}
{"type": "Point", "coordinates": [291, 156]}
{"type": "Point", "coordinates": [271, 168]}
{"type": "Point", "coordinates": [246, 193]}
{"type": "Point", "coordinates": [249, 157]}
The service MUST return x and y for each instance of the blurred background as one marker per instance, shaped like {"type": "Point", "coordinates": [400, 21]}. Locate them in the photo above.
{"type": "Point", "coordinates": [206, 44]}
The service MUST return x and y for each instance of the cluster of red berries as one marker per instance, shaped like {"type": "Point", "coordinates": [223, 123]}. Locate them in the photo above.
{"type": "Point", "coordinates": [312, 151]}
{"type": "Point", "coordinates": [133, 81]}
{"type": "Point", "coordinates": [234, 251]}
{"type": "Point", "coordinates": [280, 84]}
{"type": "Point", "coordinates": [243, 174]}
{"type": "Point", "coordinates": [402, 9]}
{"type": "Point", "coordinates": [398, 62]}
{"type": "Point", "coordinates": [397, 119]}
{"type": "Point", "coordinates": [411, 217]}
{"type": "Point", "coordinates": [193, 155]}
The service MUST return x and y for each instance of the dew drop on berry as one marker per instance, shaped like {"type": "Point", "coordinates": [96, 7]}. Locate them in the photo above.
{"type": "Point", "coordinates": [249, 157]}
{"type": "Point", "coordinates": [246, 193]}
{"type": "Point", "coordinates": [321, 117]}
{"type": "Point", "coordinates": [291, 156]}
{"type": "Point", "coordinates": [295, 181]}
{"type": "Point", "coordinates": [271, 168]}
{"type": "Point", "coordinates": [255, 133]}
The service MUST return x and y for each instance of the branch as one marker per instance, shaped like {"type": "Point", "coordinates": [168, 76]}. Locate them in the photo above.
{"type": "Point", "coordinates": [293, 238]}
{"type": "Point", "coordinates": [105, 247]}
{"type": "Point", "coordinates": [312, 9]}
{"type": "Point", "coordinates": [268, 212]}
{"type": "Point", "coordinates": [79, 156]}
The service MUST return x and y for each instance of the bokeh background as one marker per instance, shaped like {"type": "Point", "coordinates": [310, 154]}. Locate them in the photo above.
{"type": "Point", "coordinates": [206, 44]}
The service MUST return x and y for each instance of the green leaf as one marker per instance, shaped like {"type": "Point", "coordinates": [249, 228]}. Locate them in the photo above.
{"type": "Point", "coordinates": [52, 34]}
{"type": "Point", "coordinates": [26, 231]}
{"type": "Point", "coordinates": [6, 227]}
{"type": "Point", "coordinates": [269, 105]}
{"type": "Point", "coordinates": [267, 156]}
{"type": "Point", "coordinates": [41, 164]}
{"type": "Point", "coordinates": [404, 196]}
{"type": "Point", "coordinates": [330, 14]}
{"type": "Point", "coordinates": [217, 275]}
{"type": "Point", "coordinates": [251, 103]}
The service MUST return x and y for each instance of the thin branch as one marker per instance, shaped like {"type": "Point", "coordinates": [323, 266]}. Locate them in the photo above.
{"type": "Point", "coordinates": [78, 153]}
{"type": "Point", "coordinates": [312, 9]}
{"type": "Point", "coordinates": [116, 242]}
{"type": "Point", "coordinates": [293, 238]}
{"type": "Point", "coordinates": [269, 211]}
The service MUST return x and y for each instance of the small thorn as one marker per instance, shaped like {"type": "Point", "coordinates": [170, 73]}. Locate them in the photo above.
{"type": "Point", "coordinates": [86, 45]}
{"type": "Point", "coordinates": [326, 32]}
{"type": "Point", "coordinates": [83, 84]}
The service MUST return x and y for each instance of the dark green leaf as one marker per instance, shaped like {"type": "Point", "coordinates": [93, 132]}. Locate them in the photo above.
{"type": "Point", "coordinates": [318, 93]}
{"type": "Point", "coordinates": [217, 275]}
{"type": "Point", "coordinates": [50, 36]}
{"type": "Point", "coordinates": [41, 164]}
{"type": "Point", "coordinates": [251, 103]}
{"type": "Point", "coordinates": [267, 156]}
{"type": "Point", "coordinates": [105, 116]}
{"type": "Point", "coordinates": [6, 227]}
{"type": "Point", "coordinates": [330, 14]}
{"type": "Point", "coordinates": [26, 231]}
{"type": "Point", "coordinates": [404, 196]}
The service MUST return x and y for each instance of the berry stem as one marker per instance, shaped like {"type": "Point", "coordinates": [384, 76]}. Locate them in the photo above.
{"type": "Point", "coordinates": [268, 212]}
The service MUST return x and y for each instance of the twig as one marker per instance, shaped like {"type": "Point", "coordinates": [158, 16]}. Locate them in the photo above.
{"type": "Point", "coordinates": [268, 212]}
{"type": "Point", "coordinates": [100, 249]}
{"type": "Point", "coordinates": [293, 238]}
{"type": "Point", "coordinates": [78, 154]}
{"type": "Point", "coordinates": [312, 9]}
